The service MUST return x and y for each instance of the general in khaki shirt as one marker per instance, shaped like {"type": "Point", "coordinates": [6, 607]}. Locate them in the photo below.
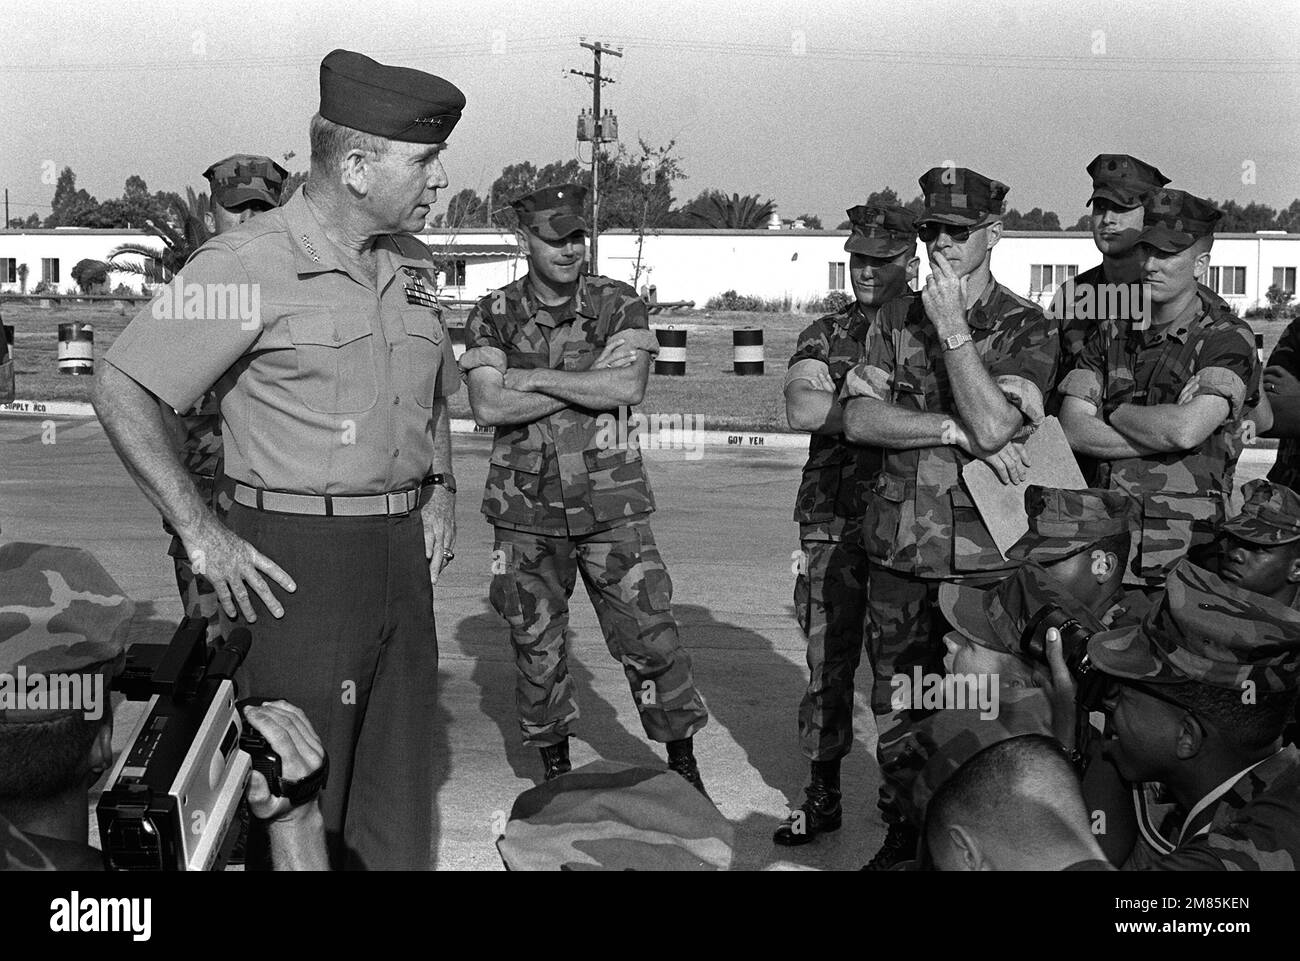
{"type": "Point", "coordinates": [324, 387]}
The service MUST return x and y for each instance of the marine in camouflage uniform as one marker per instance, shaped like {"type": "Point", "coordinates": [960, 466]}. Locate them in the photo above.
{"type": "Point", "coordinates": [831, 585]}
{"type": "Point", "coordinates": [921, 526]}
{"type": "Point", "coordinates": [566, 495]}
{"type": "Point", "coordinates": [60, 614]}
{"type": "Point", "coordinates": [1180, 490]}
{"type": "Point", "coordinates": [1205, 635]}
{"type": "Point", "coordinates": [1286, 355]}
{"type": "Point", "coordinates": [242, 186]}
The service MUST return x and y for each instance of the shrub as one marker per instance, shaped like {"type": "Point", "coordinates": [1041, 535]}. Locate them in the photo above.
{"type": "Point", "coordinates": [749, 303]}
{"type": "Point", "coordinates": [829, 304]}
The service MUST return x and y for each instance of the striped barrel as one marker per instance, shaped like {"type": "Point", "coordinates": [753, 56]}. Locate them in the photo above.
{"type": "Point", "coordinates": [457, 335]}
{"type": "Point", "coordinates": [76, 348]}
{"type": "Point", "coordinates": [747, 351]}
{"type": "Point", "coordinates": [672, 351]}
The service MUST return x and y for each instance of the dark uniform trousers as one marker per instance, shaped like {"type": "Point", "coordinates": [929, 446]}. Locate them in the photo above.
{"type": "Point", "coordinates": [533, 578]}
{"type": "Point", "coordinates": [831, 605]}
{"type": "Point", "coordinates": [357, 650]}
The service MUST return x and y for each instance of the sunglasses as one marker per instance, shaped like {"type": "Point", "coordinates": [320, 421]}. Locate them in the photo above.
{"type": "Point", "coordinates": [929, 232]}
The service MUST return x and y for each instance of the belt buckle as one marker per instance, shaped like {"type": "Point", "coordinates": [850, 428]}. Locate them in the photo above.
{"type": "Point", "coordinates": [398, 506]}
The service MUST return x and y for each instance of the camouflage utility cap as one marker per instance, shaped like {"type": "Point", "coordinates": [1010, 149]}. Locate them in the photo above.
{"type": "Point", "coordinates": [1174, 220]}
{"type": "Point", "coordinates": [998, 617]}
{"type": "Point", "coordinates": [960, 196]}
{"type": "Point", "coordinates": [881, 230]}
{"type": "Point", "coordinates": [1064, 522]}
{"type": "Point", "coordinates": [1123, 180]}
{"type": "Point", "coordinates": [1205, 629]}
{"type": "Point", "coordinates": [244, 178]}
{"type": "Point", "coordinates": [60, 614]}
{"type": "Point", "coordinates": [1271, 514]}
{"type": "Point", "coordinates": [553, 213]}
{"type": "Point", "coordinates": [397, 103]}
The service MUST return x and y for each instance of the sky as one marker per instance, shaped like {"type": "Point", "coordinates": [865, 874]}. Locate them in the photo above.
{"type": "Point", "coordinates": [811, 104]}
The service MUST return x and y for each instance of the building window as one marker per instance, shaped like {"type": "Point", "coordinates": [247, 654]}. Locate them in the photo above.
{"type": "Point", "coordinates": [456, 273]}
{"type": "Point", "coordinates": [1228, 281]}
{"type": "Point", "coordinates": [1283, 278]}
{"type": "Point", "coordinates": [1045, 278]}
{"type": "Point", "coordinates": [50, 270]}
{"type": "Point", "coordinates": [9, 271]}
{"type": "Point", "coordinates": [835, 280]}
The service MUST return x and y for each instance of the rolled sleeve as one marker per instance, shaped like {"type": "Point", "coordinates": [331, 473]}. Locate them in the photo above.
{"type": "Point", "coordinates": [865, 380]}
{"type": "Point", "coordinates": [1083, 383]}
{"type": "Point", "coordinates": [1022, 394]}
{"type": "Point", "coordinates": [179, 358]}
{"type": "Point", "coordinates": [485, 356]}
{"type": "Point", "coordinates": [806, 369]}
{"type": "Point", "coordinates": [1221, 382]}
{"type": "Point", "coordinates": [631, 315]}
{"type": "Point", "coordinates": [1228, 367]}
{"type": "Point", "coordinates": [639, 339]}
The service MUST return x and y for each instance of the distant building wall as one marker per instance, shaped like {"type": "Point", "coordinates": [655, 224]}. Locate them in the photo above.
{"type": "Point", "coordinates": [60, 250]}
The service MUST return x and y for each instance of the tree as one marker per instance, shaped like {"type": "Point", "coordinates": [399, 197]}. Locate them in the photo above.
{"type": "Point", "coordinates": [1084, 224]}
{"type": "Point", "coordinates": [18, 223]}
{"type": "Point", "coordinates": [1036, 219]}
{"type": "Point", "coordinates": [465, 209]}
{"type": "Point", "coordinates": [1277, 300]}
{"type": "Point", "coordinates": [810, 221]}
{"type": "Point", "coordinates": [291, 184]}
{"type": "Point", "coordinates": [23, 271]}
{"type": "Point", "coordinates": [89, 274]}
{"type": "Point", "coordinates": [714, 210]}
{"type": "Point", "coordinates": [889, 198]}
{"type": "Point", "coordinates": [184, 232]}
{"type": "Point", "coordinates": [71, 207]}
{"type": "Point", "coordinates": [521, 178]}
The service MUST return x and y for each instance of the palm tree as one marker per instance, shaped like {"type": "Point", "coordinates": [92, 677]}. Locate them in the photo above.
{"type": "Point", "coordinates": [717, 211]}
{"type": "Point", "coordinates": [187, 232]}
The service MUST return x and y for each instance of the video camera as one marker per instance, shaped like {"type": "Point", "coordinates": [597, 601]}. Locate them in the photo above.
{"type": "Point", "coordinates": [173, 795]}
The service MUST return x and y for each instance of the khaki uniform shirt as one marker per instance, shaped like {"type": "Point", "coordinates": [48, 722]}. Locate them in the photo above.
{"type": "Point", "coordinates": [330, 387]}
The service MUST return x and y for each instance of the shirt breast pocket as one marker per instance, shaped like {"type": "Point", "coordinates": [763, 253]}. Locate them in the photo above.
{"type": "Point", "coordinates": [334, 358]}
{"type": "Point", "coordinates": [909, 387]}
{"type": "Point", "coordinates": [424, 352]}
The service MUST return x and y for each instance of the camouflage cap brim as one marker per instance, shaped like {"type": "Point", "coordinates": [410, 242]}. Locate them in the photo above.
{"type": "Point", "coordinates": [1045, 550]}
{"type": "Point", "coordinates": [1165, 238]}
{"type": "Point", "coordinates": [1127, 652]}
{"type": "Point", "coordinates": [1256, 531]}
{"type": "Point", "coordinates": [879, 246]}
{"type": "Point", "coordinates": [965, 609]}
{"type": "Point", "coordinates": [956, 219]}
{"type": "Point", "coordinates": [556, 227]}
{"type": "Point", "coordinates": [1128, 199]}
{"type": "Point", "coordinates": [242, 194]}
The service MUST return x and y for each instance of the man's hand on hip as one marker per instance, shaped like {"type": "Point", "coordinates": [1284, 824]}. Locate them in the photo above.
{"type": "Point", "coordinates": [439, 516]}
{"type": "Point", "coordinates": [229, 563]}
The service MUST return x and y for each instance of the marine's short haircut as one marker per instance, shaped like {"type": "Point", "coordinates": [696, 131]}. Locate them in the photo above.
{"type": "Point", "coordinates": [42, 759]}
{"type": "Point", "coordinates": [997, 788]}
{"type": "Point", "coordinates": [332, 142]}
{"type": "Point", "coordinates": [1248, 725]}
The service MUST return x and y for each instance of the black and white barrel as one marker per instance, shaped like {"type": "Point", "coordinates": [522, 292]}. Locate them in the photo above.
{"type": "Point", "coordinates": [747, 350]}
{"type": "Point", "coordinates": [76, 348]}
{"type": "Point", "coordinates": [672, 351]}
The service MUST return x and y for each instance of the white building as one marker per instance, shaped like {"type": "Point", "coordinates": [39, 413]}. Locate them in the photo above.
{"type": "Point", "coordinates": [695, 265]}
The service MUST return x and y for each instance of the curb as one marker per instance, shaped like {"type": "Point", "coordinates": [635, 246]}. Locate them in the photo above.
{"type": "Point", "coordinates": [652, 440]}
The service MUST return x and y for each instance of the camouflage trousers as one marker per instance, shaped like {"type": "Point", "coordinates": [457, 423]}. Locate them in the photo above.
{"type": "Point", "coordinates": [831, 605]}
{"type": "Point", "coordinates": [198, 596]}
{"type": "Point", "coordinates": [533, 578]}
{"type": "Point", "coordinates": [905, 631]}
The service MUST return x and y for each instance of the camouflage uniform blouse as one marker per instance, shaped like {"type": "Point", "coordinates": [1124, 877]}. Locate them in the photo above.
{"type": "Point", "coordinates": [560, 476]}
{"type": "Point", "coordinates": [920, 519]}
{"type": "Point", "coordinates": [1183, 494]}
{"type": "Point", "coordinates": [1287, 356]}
{"type": "Point", "coordinates": [838, 474]}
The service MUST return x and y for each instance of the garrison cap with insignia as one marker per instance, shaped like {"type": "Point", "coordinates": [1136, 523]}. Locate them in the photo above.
{"type": "Point", "coordinates": [997, 617]}
{"type": "Point", "coordinates": [881, 230]}
{"type": "Point", "coordinates": [397, 103]}
{"type": "Point", "coordinates": [1064, 522]}
{"type": "Point", "coordinates": [1204, 629]}
{"type": "Point", "coordinates": [1174, 220]}
{"type": "Point", "coordinates": [246, 177]}
{"type": "Point", "coordinates": [1270, 515]}
{"type": "Point", "coordinates": [1123, 180]}
{"type": "Point", "coordinates": [960, 196]}
{"type": "Point", "coordinates": [553, 213]}
{"type": "Point", "coordinates": [60, 614]}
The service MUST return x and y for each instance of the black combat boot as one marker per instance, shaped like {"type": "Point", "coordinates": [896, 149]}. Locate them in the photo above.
{"type": "Point", "coordinates": [556, 759]}
{"type": "Point", "coordinates": [820, 811]}
{"type": "Point", "coordinates": [899, 845]}
{"type": "Point", "coordinates": [681, 758]}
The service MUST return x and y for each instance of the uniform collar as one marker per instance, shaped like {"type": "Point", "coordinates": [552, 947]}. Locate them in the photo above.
{"type": "Point", "coordinates": [578, 306]}
{"type": "Point", "coordinates": [983, 314]}
{"type": "Point", "coordinates": [315, 253]}
{"type": "Point", "coordinates": [1178, 328]}
{"type": "Point", "coordinates": [1200, 818]}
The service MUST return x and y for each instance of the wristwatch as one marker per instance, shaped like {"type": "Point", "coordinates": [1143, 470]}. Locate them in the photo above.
{"type": "Point", "coordinates": [446, 479]}
{"type": "Point", "coordinates": [956, 340]}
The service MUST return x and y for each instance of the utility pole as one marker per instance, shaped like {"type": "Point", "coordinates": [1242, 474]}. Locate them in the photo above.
{"type": "Point", "coordinates": [6, 208]}
{"type": "Point", "coordinates": [598, 129]}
